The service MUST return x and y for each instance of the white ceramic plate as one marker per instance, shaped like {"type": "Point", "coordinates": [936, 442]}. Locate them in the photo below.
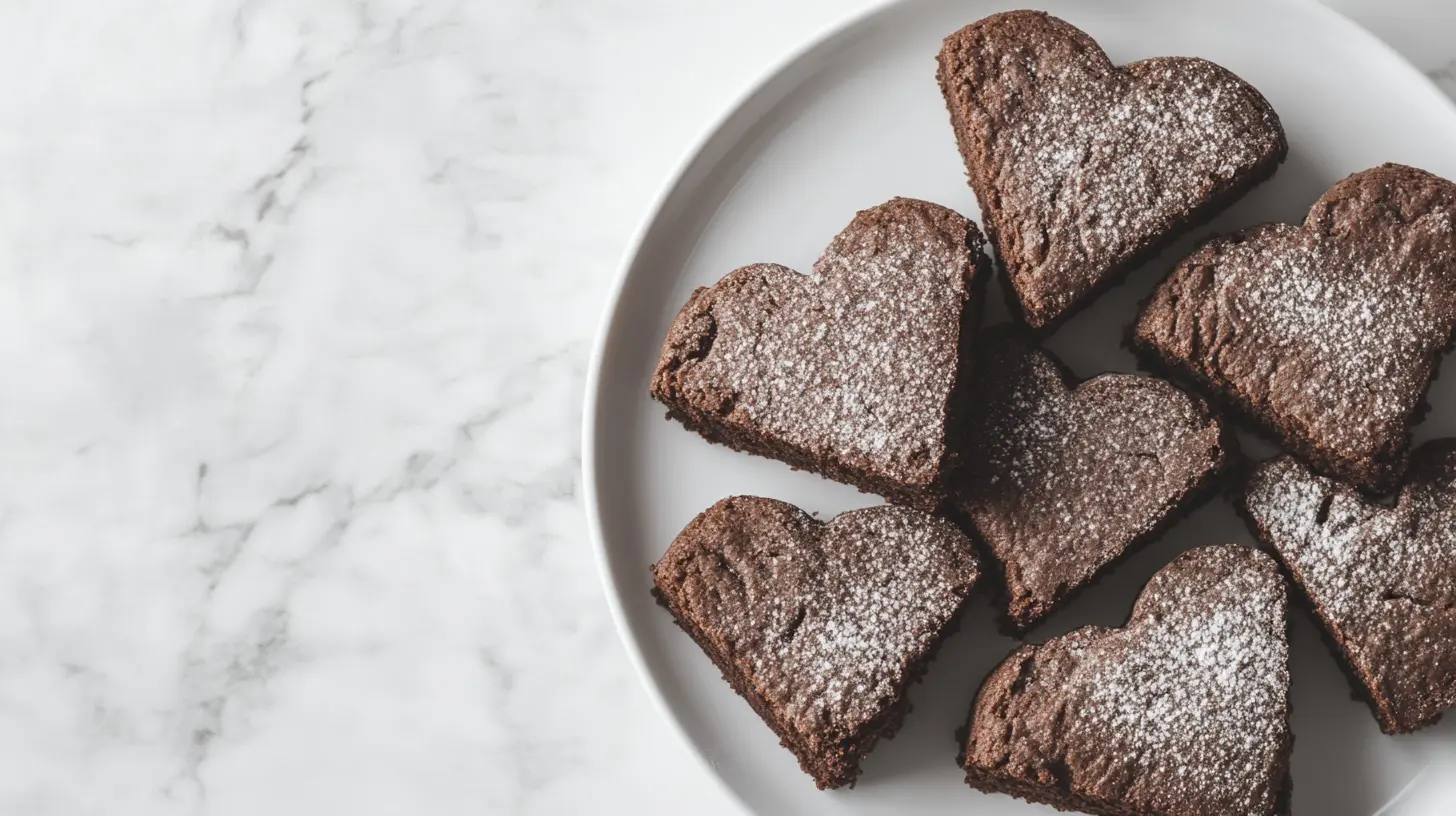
{"type": "Point", "coordinates": [846, 124]}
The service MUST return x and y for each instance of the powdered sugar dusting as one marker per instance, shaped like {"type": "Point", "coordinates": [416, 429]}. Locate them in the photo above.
{"type": "Point", "coordinates": [1383, 579]}
{"type": "Point", "coordinates": [1329, 332]}
{"type": "Point", "coordinates": [1060, 482]}
{"type": "Point", "coordinates": [1089, 164]}
{"type": "Point", "coordinates": [857, 361]}
{"type": "Point", "coordinates": [1096, 168]}
{"type": "Point", "coordinates": [828, 620]}
{"type": "Point", "coordinates": [877, 607]}
{"type": "Point", "coordinates": [1340, 549]}
{"type": "Point", "coordinates": [1362, 343]}
{"type": "Point", "coordinates": [1185, 710]}
{"type": "Point", "coordinates": [1200, 696]}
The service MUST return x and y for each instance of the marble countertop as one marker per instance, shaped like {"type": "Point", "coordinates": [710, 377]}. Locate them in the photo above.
{"type": "Point", "coordinates": [297, 299]}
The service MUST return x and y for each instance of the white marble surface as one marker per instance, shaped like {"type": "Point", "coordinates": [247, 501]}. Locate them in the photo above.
{"type": "Point", "coordinates": [295, 300]}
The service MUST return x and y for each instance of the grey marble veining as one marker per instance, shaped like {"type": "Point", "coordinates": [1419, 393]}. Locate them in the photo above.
{"type": "Point", "coordinates": [296, 302]}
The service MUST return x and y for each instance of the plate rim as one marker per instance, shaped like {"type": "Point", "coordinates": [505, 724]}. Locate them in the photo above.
{"type": "Point", "coordinates": [591, 416]}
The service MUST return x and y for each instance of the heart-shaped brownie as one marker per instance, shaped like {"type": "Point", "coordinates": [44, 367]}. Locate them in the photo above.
{"type": "Point", "coordinates": [1183, 711]}
{"type": "Point", "coordinates": [1327, 334]}
{"type": "Point", "coordinates": [1381, 579]}
{"type": "Point", "coordinates": [1085, 169]}
{"type": "Point", "coordinates": [1060, 481]}
{"type": "Point", "coordinates": [821, 627]}
{"type": "Point", "coordinates": [853, 372]}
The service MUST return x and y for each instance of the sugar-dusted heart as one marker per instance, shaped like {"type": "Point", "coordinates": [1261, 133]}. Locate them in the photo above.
{"type": "Point", "coordinates": [1382, 580]}
{"type": "Point", "coordinates": [1327, 334]}
{"type": "Point", "coordinates": [1061, 479]}
{"type": "Point", "coordinates": [1085, 169]}
{"type": "Point", "coordinates": [1185, 710]}
{"type": "Point", "coordinates": [854, 371]}
{"type": "Point", "coordinates": [821, 627]}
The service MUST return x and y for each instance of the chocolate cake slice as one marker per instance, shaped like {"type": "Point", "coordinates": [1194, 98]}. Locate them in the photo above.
{"type": "Point", "coordinates": [1085, 169]}
{"type": "Point", "coordinates": [854, 372]}
{"type": "Point", "coordinates": [1325, 335]}
{"type": "Point", "coordinates": [1063, 478]}
{"type": "Point", "coordinates": [821, 627]}
{"type": "Point", "coordinates": [1182, 712]}
{"type": "Point", "coordinates": [1382, 580]}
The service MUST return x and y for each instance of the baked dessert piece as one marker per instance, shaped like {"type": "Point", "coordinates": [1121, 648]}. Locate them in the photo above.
{"type": "Point", "coordinates": [853, 372]}
{"type": "Point", "coordinates": [1183, 712]}
{"type": "Point", "coordinates": [821, 627]}
{"type": "Point", "coordinates": [1326, 335]}
{"type": "Point", "coordinates": [1061, 479]}
{"type": "Point", "coordinates": [1085, 169]}
{"type": "Point", "coordinates": [1382, 580]}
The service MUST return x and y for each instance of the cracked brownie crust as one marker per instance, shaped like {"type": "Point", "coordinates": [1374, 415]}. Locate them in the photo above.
{"type": "Point", "coordinates": [1382, 580]}
{"type": "Point", "coordinates": [1326, 335]}
{"type": "Point", "coordinates": [853, 372]}
{"type": "Point", "coordinates": [1062, 479]}
{"type": "Point", "coordinates": [1182, 711]}
{"type": "Point", "coordinates": [1084, 169]}
{"type": "Point", "coordinates": [821, 627]}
